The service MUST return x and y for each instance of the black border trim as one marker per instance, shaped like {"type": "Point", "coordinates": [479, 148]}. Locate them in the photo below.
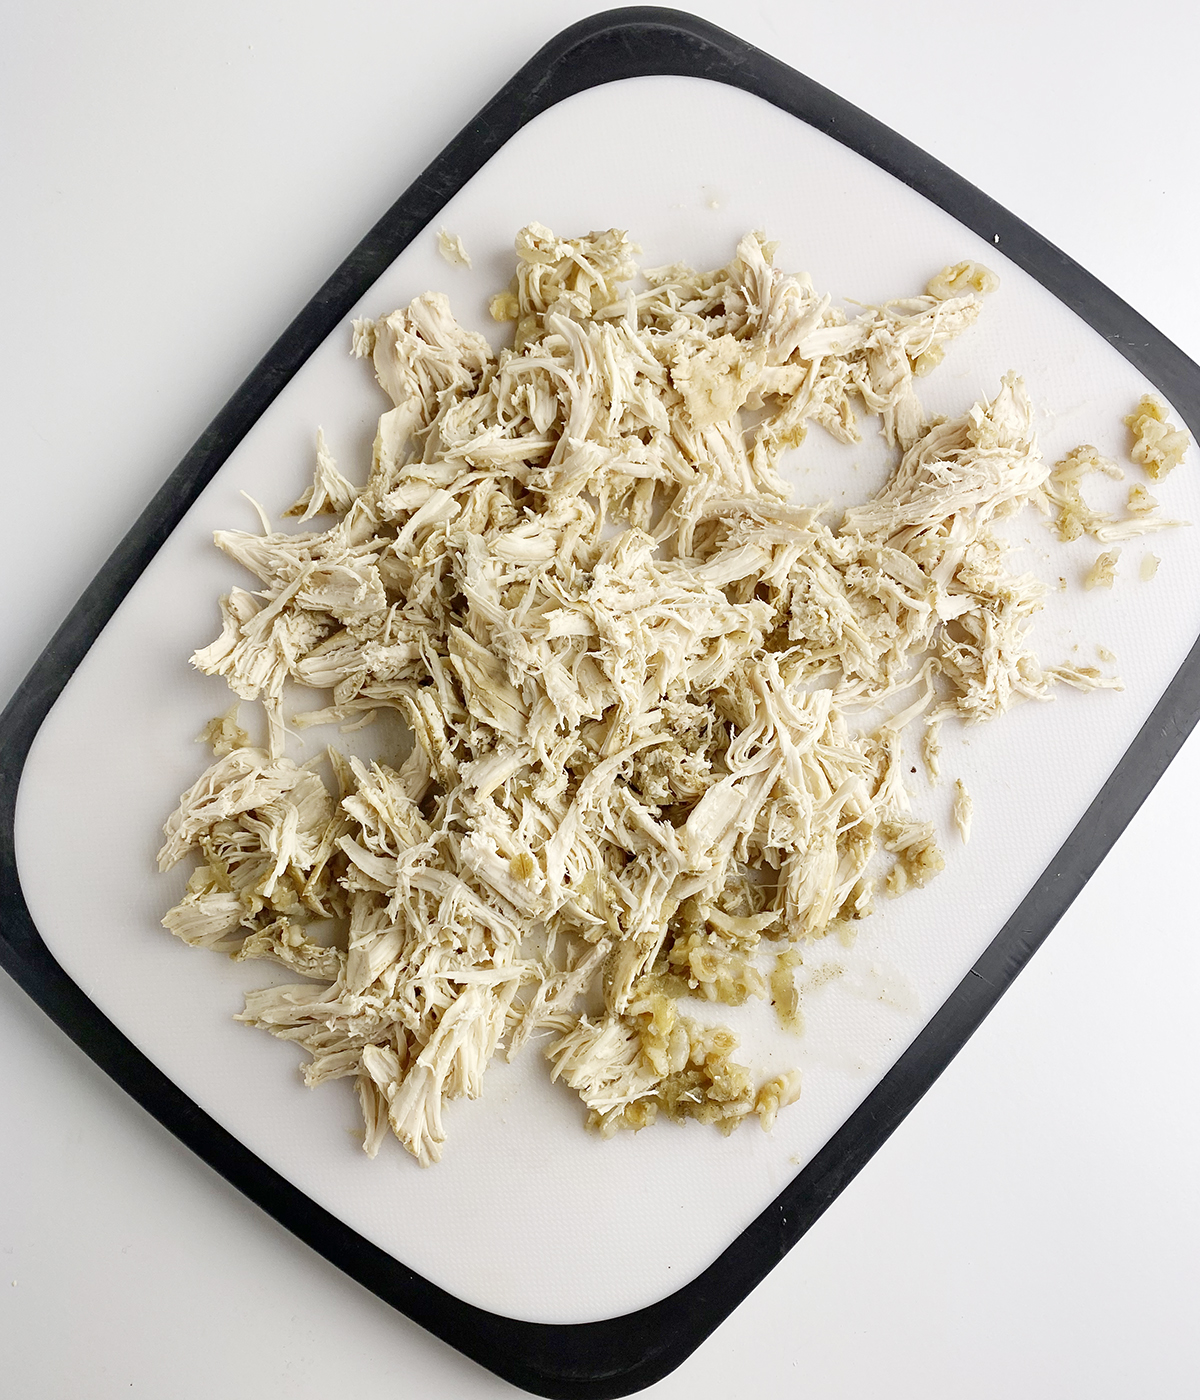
{"type": "Point", "coordinates": [620, 1355]}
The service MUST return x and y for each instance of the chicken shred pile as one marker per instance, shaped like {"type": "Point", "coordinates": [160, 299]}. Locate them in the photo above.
{"type": "Point", "coordinates": [631, 665]}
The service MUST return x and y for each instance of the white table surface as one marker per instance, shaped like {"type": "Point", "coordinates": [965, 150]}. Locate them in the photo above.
{"type": "Point", "coordinates": [177, 181]}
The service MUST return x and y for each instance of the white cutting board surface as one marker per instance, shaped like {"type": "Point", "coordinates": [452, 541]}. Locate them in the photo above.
{"type": "Point", "coordinates": [527, 1214]}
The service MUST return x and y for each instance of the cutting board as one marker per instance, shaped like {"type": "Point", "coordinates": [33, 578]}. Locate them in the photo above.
{"type": "Point", "coordinates": [528, 1217]}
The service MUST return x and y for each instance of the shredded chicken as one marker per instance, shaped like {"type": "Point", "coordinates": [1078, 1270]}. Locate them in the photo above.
{"type": "Point", "coordinates": [631, 665]}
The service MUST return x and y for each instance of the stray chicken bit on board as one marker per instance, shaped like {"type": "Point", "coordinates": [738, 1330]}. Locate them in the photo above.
{"type": "Point", "coordinates": [964, 810]}
{"type": "Point", "coordinates": [451, 247]}
{"type": "Point", "coordinates": [1103, 572]}
{"type": "Point", "coordinates": [1158, 445]}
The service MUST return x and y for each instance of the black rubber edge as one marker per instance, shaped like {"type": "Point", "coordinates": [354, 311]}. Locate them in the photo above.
{"type": "Point", "coordinates": [620, 1355]}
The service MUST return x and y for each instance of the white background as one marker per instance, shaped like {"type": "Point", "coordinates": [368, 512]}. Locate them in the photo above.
{"type": "Point", "coordinates": [177, 183]}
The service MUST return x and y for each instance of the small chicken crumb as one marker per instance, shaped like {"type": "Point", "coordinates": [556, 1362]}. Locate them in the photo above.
{"type": "Point", "coordinates": [928, 360]}
{"type": "Point", "coordinates": [1141, 502]}
{"type": "Point", "coordinates": [1149, 567]}
{"type": "Point", "coordinates": [1105, 655]}
{"type": "Point", "coordinates": [1158, 445]}
{"type": "Point", "coordinates": [961, 279]}
{"type": "Point", "coordinates": [504, 307]}
{"type": "Point", "coordinates": [1103, 572]}
{"type": "Point", "coordinates": [918, 858]}
{"type": "Point", "coordinates": [931, 750]}
{"type": "Point", "coordinates": [784, 992]}
{"type": "Point", "coordinates": [224, 733]}
{"type": "Point", "coordinates": [775, 1094]}
{"type": "Point", "coordinates": [964, 810]}
{"type": "Point", "coordinates": [450, 245]}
